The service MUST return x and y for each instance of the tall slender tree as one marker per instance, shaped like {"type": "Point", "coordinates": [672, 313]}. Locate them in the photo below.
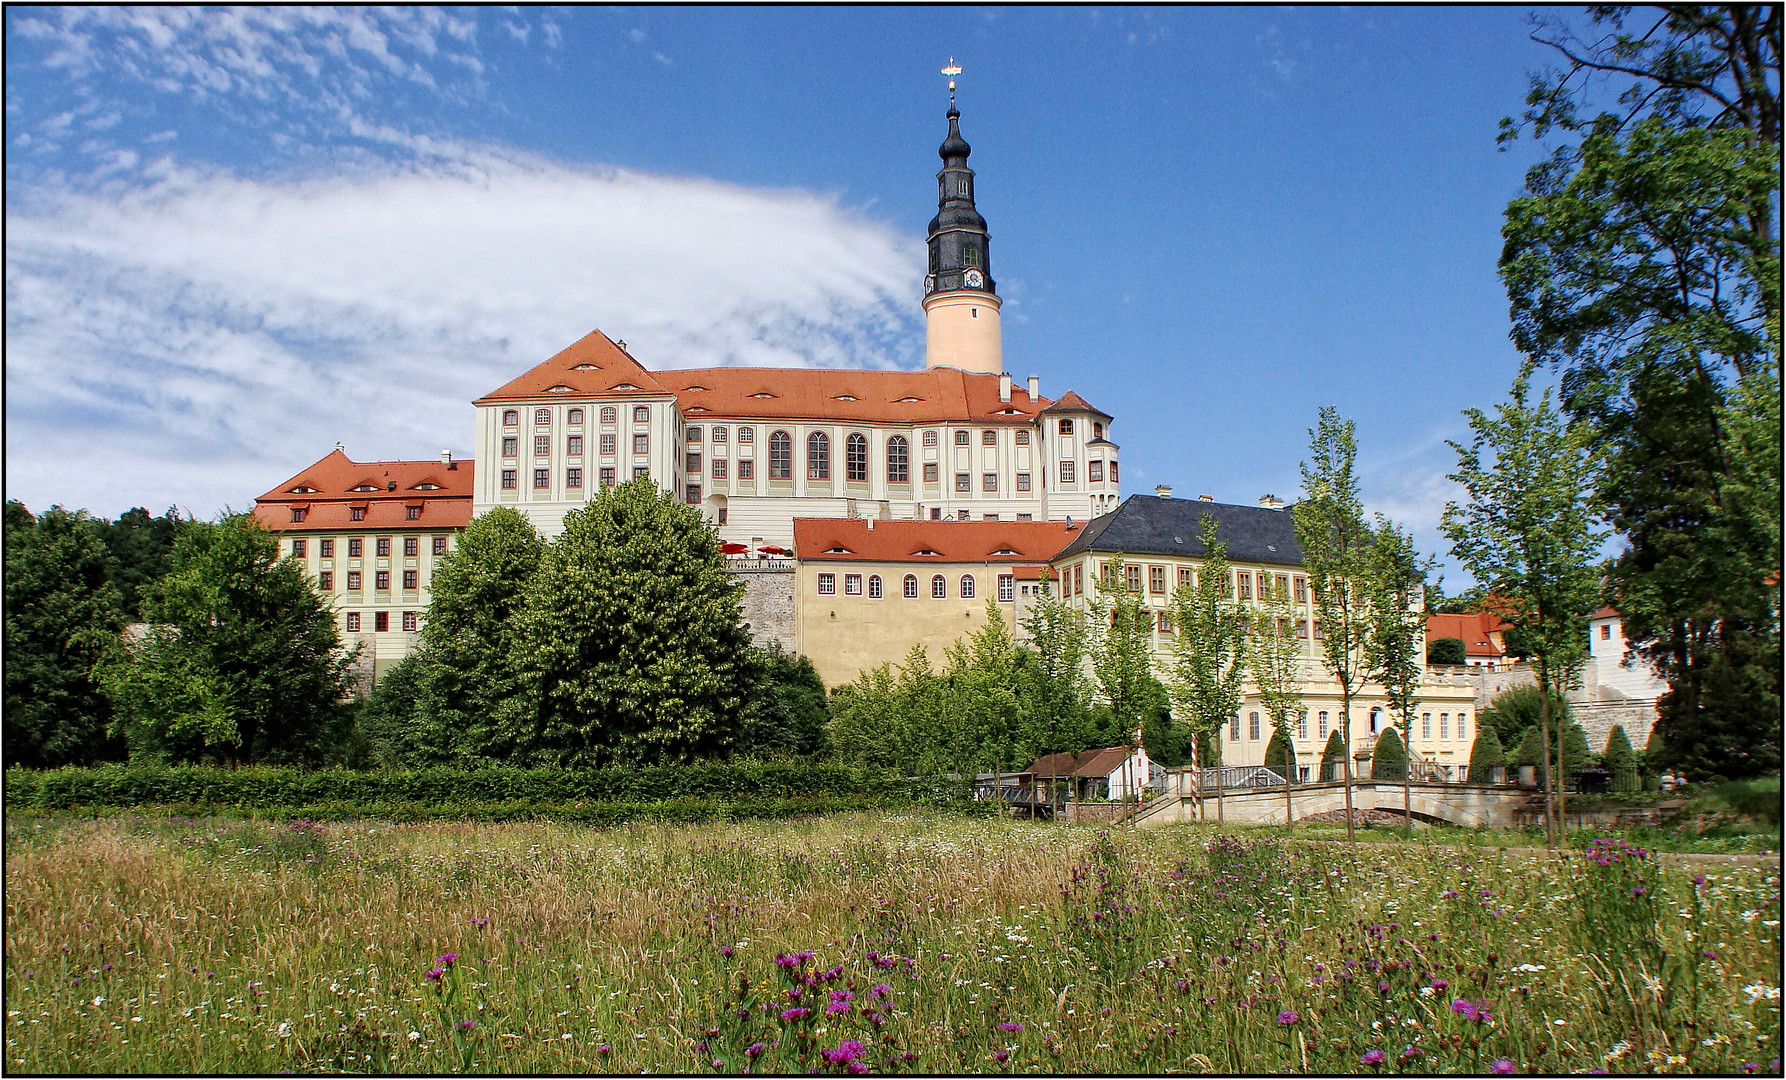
{"type": "Point", "coordinates": [1058, 695]}
{"type": "Point", "coordinates": [1276, 655]}
{"type": "Point", "coordinates": [1209, 650]}
{"type": "Point", "coordinates": [1529, 532]}
{"type": "Point", "coordinates": [1398, 630]}
{"type": "Point", "coordinates": [1336, 550]}
{"type": "Point", "coordinates": [1121, 648]}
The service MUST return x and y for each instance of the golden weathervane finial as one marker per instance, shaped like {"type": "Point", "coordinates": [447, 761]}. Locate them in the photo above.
{"type": "Point", "coordinates": [951, 70]}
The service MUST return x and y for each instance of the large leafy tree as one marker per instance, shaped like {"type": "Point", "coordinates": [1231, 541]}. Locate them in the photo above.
{"type": "Point", "coordinates": [62, 616]}
{"type": "Point", "coordinates": [630, 644]}
{"type": "Point", "coordinates": [1398, 625]}
{"type": "Point", "coordinates": [467, 701]}
{"type": "Point", "coordinates": [1209, 650]}
{"type": "Point", "coordinates": [787, 713]}
{"type": "Point", "coordinates": [1122, 649]}
{"type": "Point", "coordinates": [241, 661]}
{"type": "Point", "coordinates": [1056, 696]}
{"type": "Point", "coordinates": [142, 549]}
{"type": "Point", "coordinates": [1529, 531]}
{"type": "Point", "coordinates": [1336, 550]}
{"type": "Point", "coordinates": [1643, 264]}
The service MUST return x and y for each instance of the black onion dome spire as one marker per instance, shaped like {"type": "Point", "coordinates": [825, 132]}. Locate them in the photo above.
{"type": "Point", "coordinates": [960, 251]}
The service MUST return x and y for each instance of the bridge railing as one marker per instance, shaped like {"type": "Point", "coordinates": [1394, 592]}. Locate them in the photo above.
{"type": "Point", "coordinates": [1248, 777]}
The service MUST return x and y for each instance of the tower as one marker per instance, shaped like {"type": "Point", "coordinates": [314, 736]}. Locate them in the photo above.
{"type": "Point", "coordinates": [960, 298]}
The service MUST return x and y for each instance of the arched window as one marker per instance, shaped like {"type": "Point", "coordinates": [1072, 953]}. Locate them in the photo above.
{"type": "Point", "coordinates": [641, 413]}
{"type": "Point", "coordinates": [608, 414]}
{"type": "Point", "coordinates": [899, 470]}
{"type": "Point", "coordinates": [855, 456]}
{"type": "Point", "coordinates": [781, 456]}
{"type": "Point", "coordinates": [818, 456]}
{"type": "Point", "coordinates": [967, 586]}
{"type": "Point", "coordinates": [576, 416]}
{"type": "Point", "coordinates": [874, 586]}
{"type": "Point", "coordinates": [542, 416]}
{"type": "Point", "coordinates": [510, 417]}
{"type": "Point", "coordinates": [939, 587]}
{"type": "Point", "coordinates": [911, 585]}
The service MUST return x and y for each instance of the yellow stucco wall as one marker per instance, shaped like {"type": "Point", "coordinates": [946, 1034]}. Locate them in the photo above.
{"type": "Point", "coordinates": [846, 635]}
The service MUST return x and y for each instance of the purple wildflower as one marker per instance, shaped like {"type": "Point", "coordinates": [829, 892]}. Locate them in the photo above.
{"type": "Point", "coordinates": [603, 1048]}
{"type": "Point", "coordinates": [1441, 984]}
{"type": "Point", "coordinates": [725, 950]}
{"type": "Point", "coordinates": [1287, 1017]}
{"type": "Point", "coordinates": [1698, 879]}
{"type": "Point", "coordinates": [467, 1025]}
{"type": "Point", "coordinates": [856, 1068]}
{"type": "Point", "coordinates": [1002, 1056]}
{"type": "Point", "coordinates": [795, 1014]}
{"type": "Point", "coordinates": [847, 1051]}
{"type": "Point", "coordinates": [1502, 1067]}
{"type": "Point", "coordinates": [436, 974]}
{"type": "Point", "coordinates": [754, 1050]}
{"type": "Point", "coordinates": [447, 960]}
{"type": "Point", "coordinates": [1011, 1026]}
{"type": "Point", "coordinates": [1471, 1010]}
{"type": "Point", "coordinates": [1373, 1057]}
{"type": "Point", "coordinates": [881, 990]}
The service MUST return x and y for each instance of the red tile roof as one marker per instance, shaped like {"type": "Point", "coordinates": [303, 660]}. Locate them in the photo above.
{"type": "Point", "coordinates": [331, 498]}
{"type": "Point", "coordinates": [851, 540]}
{"type": "Point", "coordinates": [1071, 402]}
{"type": "Point", "coordinates": [593, 367]}
{"type": "Point", "coordinates": [1089, 763]}
{"type": "Point", "coordinates": [1473, 629]}
{"type": "Point", "coordinates": [1605, 613]}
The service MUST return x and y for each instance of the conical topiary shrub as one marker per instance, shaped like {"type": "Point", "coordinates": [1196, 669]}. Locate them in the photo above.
{"type": "Point", "coordinates": [1390, 759]}
{"type": "Point", "coordinates": [1621, 760]}
{"type": "Point", "coordinates": [1531, 752]}
{"type": "Point", "coordinates": [1333, 758]}
{"type": "Point", "coordinates": [1280, 755]}
{"type": "Point", "coordinates": [1576, 753]}
{"type": "Point", "coordinates": [1486, 754]}
{"type": "Point", "coordinates": [1651, 766]}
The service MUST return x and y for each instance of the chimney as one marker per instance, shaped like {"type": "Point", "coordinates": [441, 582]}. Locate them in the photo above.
{"type": "Point", "coordinates": [1270, 502]}
{"type": "Point", "coordinates": [1004, 388]}
{"type": "Point", "coordinates": [1035, 388]}
{"type": "Point", "coordinates": [446, 458]}
{"type": "Point", "coordinates": [1164, 491]}
{"type": "Point", "coordinates": [1206, 498]}
{"type": "Point", "coordinates": [870, 524]}
{"type": "Point", "coordinates": [339, 449]}
{"type": "Point", "coordinates": [622, 346]}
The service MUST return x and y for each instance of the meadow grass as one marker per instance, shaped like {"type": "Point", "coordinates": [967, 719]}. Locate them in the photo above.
{"type": "Point", "coordinates": [866, 942]}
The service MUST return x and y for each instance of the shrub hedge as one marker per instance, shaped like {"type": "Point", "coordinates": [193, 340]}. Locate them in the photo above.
{"type": "Point", "coordinates": [269, 788]}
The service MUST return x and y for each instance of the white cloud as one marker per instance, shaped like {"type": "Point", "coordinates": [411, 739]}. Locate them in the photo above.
{"type": "Point", "coordinates": [199, 338]}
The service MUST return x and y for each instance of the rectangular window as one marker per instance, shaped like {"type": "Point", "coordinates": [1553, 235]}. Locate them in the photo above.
{"type": "Point", "coordinates": [1461, 734]}
{"type": "Point", "coordinates": [412, 545]}
{"type": "Point", "coordinates": [964, 482]}
{"type": "Point", "coordinates": [1444, 725]}
{"type": "Point", "coordinates": [412, 513]}
{"type": "Point", "coordinates": [381, 580]}
{"type": "Point", "coordinates": [1113, 472]}
{"type": "Point", "coordinates": [297, 514]}
{"type": "Point", "coordinates": [409, 579]}
{"type": "Point", "coordinates": [326, 580]}
{"type": "Point", "coordinates": [357, 513]}
{"type": "Point", "coordinates": [1426, 725]}
{"type": "Point", "coordinates": [1131, 576]}
{"type": "Point", "coordinates": [874, 586]}
{"type": "Point", "coordinates": [989, 481]}
{"type": "Point", "coordinates": [719, 433]}
{"type": "Point", "coordinates": [747, 434]}
{"type": "Point", "coordinates": [641, 444]}
{"type": "Point", "coordinates": [608, 476]}
{"type": "Point", "coordinates": [1299, 589]}
{"type": "Point", "coordinates": [930, 438]}
{"type": "Point", "coordinates": [1318, 636]}
{"type": "Point", "coordinates": [409, 622]}
{"type": "Point", "coordinates": [573, 477]}
{"type": "Point", "coordinates": [353, 622]}
{"type": "Point", "coordinates": [963, 438]}
{"type": "Point", "coordinates": [1022, 436]}
{"type": "Point", "coordinates": [1026, 517]}
{"type": "Point", "coordinates": [574, 446]}
{"type": "Point", "coordinates": [440, 545]}
{"type": "Point", "coordinates": [1321, 730]}
{"type": "Point", "coordinates": [607, 443]}
{"type": "Point", "coordinates": [694, 434]}
{"type": "Point", "coordinates": [381, 621]}
{"type": "Point", "coordinates": [1605, 629]}
{"type": "Point", "coordinates": [354, 547]}
{"type": "Point", "coordinates": [1184, 577]}
{"type": "Point", "coordinates": [542, 478]}
{"type": "Point", "coordinates": [1079, 579]}
{"type": "Point", "coordinates": [1163, 622]}
{"type": "Point", "coordinates": [1283, 585]}
{"type": "Point", "coordinates": [1022, 481]}
{"type": "Point", "coordinates": [692, 464]}
{"type": "Point", "coordinates": [353, 581]}
{"type": "Point", "coordinates": [542, 445]}
{"type": "Point", "coordinates": [988, 517]}
{"type": "Point", "coordinates": [641, 414]}
{"type": "Point", "coordinates": [383, 547]}
{"type": "Point", "coordinates": [1233, 721]}
{"type": "Point", "coordinates": [988, 438]}
{"type": "Point", "coordinates": [747, 469]}
{"type": "Point", "coordinates": [328, 548]}
{"type": "Point", "coordinates": [1094, 472]}
{"type": "Point", "coordinates": [1005, 591]}
{"type": "Point", "coordinates": [1302, 629]}
{"type": "Point", "coordinates": [510, 445]}
{"type": "Point", "coordinates": [1156, 579]}
{"type": "Point", "coordinates": [1252, 726]}
{"type": "Point", "coordinates": [719, 468]}
{"type": "Point", "coordinates": [1066, 427]}
{"type": "Point", "coordinates": [827, 584]}
{"type": "Point", "coordinates": [1066, 470]}
{"type": "Point", "coordinates": [1302, 727]}
{"type": "Point", "coordinates": [694, 495]}
{"type": "Point", "coordinates": [930, 471]}
{"type": "Point", "coordinates": [299, 548]}
{"type": "Point", "coordinates": [852, 584]}
{"type": "Point", "coordinates": [508, 479]}
{"type": "Point", "coordinates": [1246, 584]}
{"type": "Point", "coordinates": [575, 416]}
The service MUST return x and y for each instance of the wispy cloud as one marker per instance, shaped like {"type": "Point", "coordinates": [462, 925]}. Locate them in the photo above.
{"type": "Point", "coordinates": [194, 338]}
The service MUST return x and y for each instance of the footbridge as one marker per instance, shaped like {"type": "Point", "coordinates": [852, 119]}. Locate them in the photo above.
{"type": "Point", "coordinates": [1490, 805]}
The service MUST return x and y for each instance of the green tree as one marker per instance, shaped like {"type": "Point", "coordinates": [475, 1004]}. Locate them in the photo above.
{"type": "Point", "coordinates": [1336, 550]}
{"type": "Point", "coordinates": [1394, 651]}
{"type": "Point", "coordinates": [1446, 650]}
{"type": "Point", "coordinates": [630, 643]}
{"type": "Point", "coordinates": [788, 712]}
{"type": "Point", "coordinates": [1485, 753]}
{"type": "Point", "coordinates": [1533, 751]}
{"type": "Point", "coordinates": [1621, 760]}
{"type": "Point", "coordinates": [469, 705]}
{"type": "Point", "coordinates": [1056, 697]}
{"type": "Point", "coordinates": [241, 662]}
{"type": "Point", "coordinates": [392, 721]}
{"type": "Point", "coordinates": [1529, 532]}
{"type": "Point", "coordinates": [1389, 759]}
{"type": "Point", "coordinates": [1643, 264]}
{"type": "Point", "coordinates": [1517, 708]}
{"type": "Point", "coordinates": [1275, 655]}
{"type": "Point", "coordinates": [1121, 648]}
{"type": "Point", "coordinates": [142, 549]}
{"type": "Point", "coordinates": [1209, 649]}
{"type": "Point", "coordinates": [62, 616]}
{"type": "Point", "coordinates": [1280, 753]}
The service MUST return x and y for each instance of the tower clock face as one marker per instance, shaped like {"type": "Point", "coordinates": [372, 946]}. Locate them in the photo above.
{"type": "Point", "coordinates": [973, 279]}
{"type": "Point", "coordinates": [930, 283]}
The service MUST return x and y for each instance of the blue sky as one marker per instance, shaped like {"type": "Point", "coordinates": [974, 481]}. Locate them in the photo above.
{"type": "Point", "coordinates": [236, 237]}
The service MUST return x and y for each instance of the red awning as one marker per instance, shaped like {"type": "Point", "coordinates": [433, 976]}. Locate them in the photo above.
{"type": "Point", "coordinates": [733, 549]}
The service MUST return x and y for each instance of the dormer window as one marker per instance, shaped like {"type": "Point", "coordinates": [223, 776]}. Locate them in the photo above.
{"type": "Point", "coordinates": [427, 487]}
{"type": "Point", "coordinates": [762, 394]}
{"type": "Point", "coordinates": [847, 397]}
{"type": "Point", "coordinates": [1004, 551]}
{"type": "Point", "coordinates": [694, 389]}
{"type": "Point", "coordinates": [301, 489]}
{"type": "Point", "coordinates": [623, 386]}
{"type": "Point", "coordinates": [585, 367]}
{"type": "Point", "coordinates": [364, 487]}
{"type": "Point", "coordinates": [926, 552]}
{"type": "Point", "coordinates": [561, 389]}
{"type": "Point", "coordinates": [839, 551]}
{"type": "Point", "coordinates": [908, 398]}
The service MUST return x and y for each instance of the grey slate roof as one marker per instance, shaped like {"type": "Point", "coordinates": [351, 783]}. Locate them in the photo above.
{"type": "Point", "coordinates": [1149, 525]}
